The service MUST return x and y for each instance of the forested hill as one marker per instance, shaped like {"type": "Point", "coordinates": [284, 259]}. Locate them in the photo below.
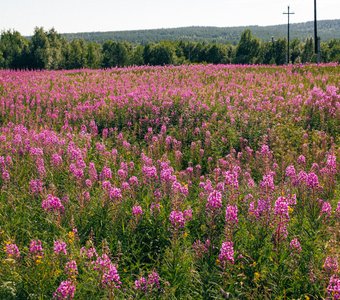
{"type": "Point", "coordinates": [327, 29]}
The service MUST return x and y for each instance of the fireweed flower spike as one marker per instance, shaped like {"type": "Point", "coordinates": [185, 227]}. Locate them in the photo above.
{"type": "Point", "coordinates": [333, 287]}
{"type": "Point", "coordinates": [214, 201]}
{"type": "Point", "coordinates": [177, 219]}
{"type": "Point", "coordinates": [227, 253]}
{"type": "Point", "coordinates": [60, 247]}
{"type": "Point", "coordinates": [231, 215]}
{"type": "Point", "coordinates": [36, 248]}
{"type": "Point", "coordinates": [65, 290]}
{"type": "Point", "coordinates": [331, 264]}
{"type": "Point", "coordinates": [12, 251]}
{"type": "Point", "coordinates": [52, 204]}
{"type": "Point", "coordinates": [295, 245]}
{"type": "Point", "coordinates": [137, 210]}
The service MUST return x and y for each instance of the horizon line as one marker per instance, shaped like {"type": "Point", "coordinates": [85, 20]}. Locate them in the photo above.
{"type": "Point", "coordinates": [166, 28]}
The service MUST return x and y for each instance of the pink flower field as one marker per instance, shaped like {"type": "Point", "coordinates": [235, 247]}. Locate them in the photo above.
{"type": "Point", "coordinates": [188, 182]}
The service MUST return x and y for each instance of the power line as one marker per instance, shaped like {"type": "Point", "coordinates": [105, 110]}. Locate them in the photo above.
{"type": "Point", "coordinates": [288, 13]}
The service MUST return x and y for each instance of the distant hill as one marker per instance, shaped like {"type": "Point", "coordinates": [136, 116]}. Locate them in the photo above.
{"type": "Point", "coordinates": [327, 29]}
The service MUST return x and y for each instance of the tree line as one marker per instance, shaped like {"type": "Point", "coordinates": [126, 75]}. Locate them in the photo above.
{"type": "Point", "coordinates": [327, 30]}
{"type": "Point", "coordinates": [50, 50]}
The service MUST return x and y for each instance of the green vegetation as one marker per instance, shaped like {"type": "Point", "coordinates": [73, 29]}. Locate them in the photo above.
{"type": "Point", "coordinates": [51, 51]}
{"type": "Point", "coordinates": [328, 29]}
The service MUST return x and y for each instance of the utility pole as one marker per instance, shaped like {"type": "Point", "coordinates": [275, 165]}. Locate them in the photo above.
{"type": "Point", "coordinates": [288, 13]}
{"type": "Point", "coordinates": [316, 38]}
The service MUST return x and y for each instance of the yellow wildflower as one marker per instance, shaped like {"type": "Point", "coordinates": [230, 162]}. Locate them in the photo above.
{"type": "Point", "coordinates": [57, 272]}
{"type": "Point", "coordinates": [70, 237]}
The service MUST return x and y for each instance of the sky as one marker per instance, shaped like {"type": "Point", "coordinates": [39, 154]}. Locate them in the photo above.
{"type": "Point", "coordinates": [115, 15]}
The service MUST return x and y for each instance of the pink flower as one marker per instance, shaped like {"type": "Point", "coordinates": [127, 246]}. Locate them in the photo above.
{"type": "Point", "coordinates": [144, 284]}
{"type": "Point", "coordinates": [149, 172]}
{"type": "Point", "coordinates": [331, 163]}
{"type": "Point", "coordinates": [111, 277]}
{"type": "Point", "coordinates": [231, 179]}
{"type": "Point", "coordinates": [231, 214]}
{"type": "Point", "coordinates": [88, 183]}
{"type": "Point", "coordinates": [141, 284]}
{"type": "Point", "coordinates": [331, 264]}
{"type": "Point", "coordinates": [56, 160]}
{"type": "Point", "coordinates": [267, 182]}
{"type": "Point", "coordinates": [137, 210]}
{"type": "Point", "coordinates": [125, 186]}
{"type": "Point", "coordinates": [36, 248]}
{"type": "Point", "coordinates": [214, 200]}
{"type": "Point", "coordinates": [281, 208]}
{"type": "Point", "coordinates": [122, 174]}
{"type": "Point", "coordinates": [290, 171]}
{"type": "Point", "coordinates": [301, 160]}
{"type": "Point", "coordinates": [187, 214]}
{"type": "Point", "coordinates": [36, 186]}
{"type": "Point", "coordinates": [333, 287]}
{"type": "Point", "coordinates": [106, 185]}
{"type": "Point", "coordinates": [59, 247]}
{"type": "Point", "coordinates": [326, 209]}
{"type": "Point", "coordinates": [226, 253]}
{"type": "Point", "coordinates": [302, 178]}
{"type": "Point", "coordinates": [89, 253]}
{"type": "Point", "coordinates": [282, 231]}
{"type": "Point", "coordinates": [12, 251]}
{"type": "Point", "coordinates": [133, 181]}
{"type": "Point", "coordinates": [5, 176]}
{"type": "Point", "coordinates": [93, 172]}
{"type": "Point", "coordinates": [106, 173]}
{"type": "Point", "coordinates": [337, 211]}
{"type": "Point", "coordinates": [295, 245]}
{"type": "Point", "coordinates": [71, 268]}
{"type": "Point", "coordinates": [52, 204]}
{"type": "Point", "coordinates": [265, 151]}
{"type": "Point", "coordinates": [115, 193]}
{"type": "Point", "coordinates": [312, 180]}
{"type": "Point", "coordinates": [65, 290]}
{"type": "Point", "coordinates": [153, 280]}
{"type": "Point", "coordinates": [177, 219]}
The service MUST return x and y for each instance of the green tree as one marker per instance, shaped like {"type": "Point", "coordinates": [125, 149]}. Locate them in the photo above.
{"type": "Point", "coordinates": [247, 49]}
{"type": "Point", "coordinates": [13, 50]}
{"type": "Point", "coordinates": [94, 55]}
{"type": "Point", "coordinates": [137, 58]}
{"type": "Point", "coordinates": [159, 54]}
{"type": "Point", "coordinates": [198, 53]}
{"type": "Point", "coordinates": [295, 51]}
{"type": "Point", "coordinates": [216, 54]}
{"type": "Point", "coordinates": [334, 50]}
{"type": "Point", "coordinates": [308, 51]}
{"type": "Point", "coordinates": [76, 54]}
{"type": "Point", "coordinates": [2, 60]}
{"type": "Point", "coordinates": [268, 52]}
{"type": "Point", "coordinates": [115, 54]}
{"type": "Point", "coordinates": [56, 44]}
{"type": "Point", "coordinates": [280, 51]}
{"type": "Point", "coordinates": [40, 50]}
